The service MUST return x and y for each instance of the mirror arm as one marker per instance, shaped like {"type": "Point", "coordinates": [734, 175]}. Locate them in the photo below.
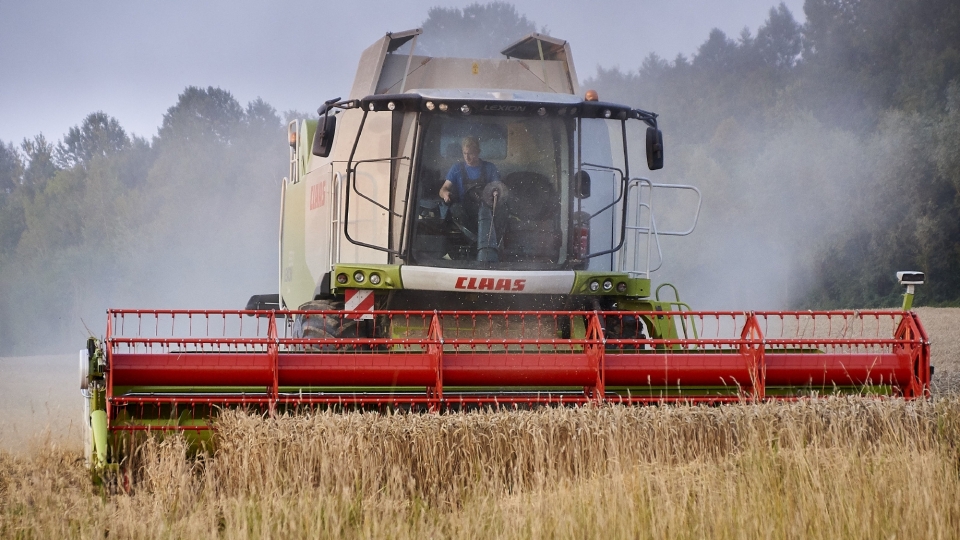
{"type": "Point", "coordinates": [648, 118]}
{"type": "Point", "coordinates": [327, 105]}
{"type": "Point", "coordinates": [336, 103]}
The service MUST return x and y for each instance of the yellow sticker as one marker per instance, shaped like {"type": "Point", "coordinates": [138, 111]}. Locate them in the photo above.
{"type": "Point", "coordinates": [476, 68]}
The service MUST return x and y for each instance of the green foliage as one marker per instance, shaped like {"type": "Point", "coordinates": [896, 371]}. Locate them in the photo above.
{"type": "Point", "coordinates": [201, 114]}
{"type": "Point", "coordinates": [780, 40]}
{"type": "Point", "coordinates": [947, 153]}
{"type": "Point", "coordinates": [828, 154]}
{"type": "Point", "coordinates": [11, 168]}
{"type": "Point", "coordinates": [476, 31]}
{"type": "Point", "coordinates": [40, 165]}
{"type": "Point", "coordinates": [98, 135]}
{"type": "Point", "coordinates": [872, 56]}
{"type": "Point", "coordinates": [187, 220]}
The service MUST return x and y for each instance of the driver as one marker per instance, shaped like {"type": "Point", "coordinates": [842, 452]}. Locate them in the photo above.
{"type": "Point", "coordinates": [469, 173]}
{"type": "Point", "coordinates": [469, 177]}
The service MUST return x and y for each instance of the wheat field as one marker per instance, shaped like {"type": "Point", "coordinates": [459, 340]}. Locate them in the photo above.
{"type": "Point", "coordinates": [832, 468]}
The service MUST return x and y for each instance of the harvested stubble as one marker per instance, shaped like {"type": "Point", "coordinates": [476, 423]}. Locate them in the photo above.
{"type": "Point", "coordinates": [849, 468]}
{"type": "Point", "coordinates": [943, 327]}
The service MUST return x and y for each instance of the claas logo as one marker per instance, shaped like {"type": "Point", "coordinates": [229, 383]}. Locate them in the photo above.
{"type": "Point", "coordinates": [490, 284]}
{"type": "Point", "coordinates": [318, 195]}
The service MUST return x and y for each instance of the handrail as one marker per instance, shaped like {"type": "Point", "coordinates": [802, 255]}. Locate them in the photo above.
{"type": "Point", "coordinates": [337, 213]}
{"type": "Point", "coordinates": [681, 307]}
{"type": "Point", "coordinates": [354, 183]}
{"type": "Point", "coordinates": [650, 229]}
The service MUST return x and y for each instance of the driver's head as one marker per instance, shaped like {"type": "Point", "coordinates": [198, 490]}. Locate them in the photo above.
{"type": "Point", "coordinates": [471, 151]}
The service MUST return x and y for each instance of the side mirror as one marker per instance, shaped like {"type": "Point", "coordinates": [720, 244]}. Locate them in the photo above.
{"type": "Point", "coordinates": [581, 184]}
{"type": "Point", "coordinates": [323, 138]}
{"type": "Point", "coordinates": [654, 149]}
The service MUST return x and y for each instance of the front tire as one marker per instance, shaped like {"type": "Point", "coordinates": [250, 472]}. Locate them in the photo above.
{"type": "Point", "coordinates": [325, 325]}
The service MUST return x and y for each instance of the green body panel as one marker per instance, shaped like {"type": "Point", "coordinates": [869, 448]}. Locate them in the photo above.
{"type": "Point", "coordinates": [296, 283]}
{"type": "Point", "coordinates": [635, 286]}
{"type": "Point", "coordinates": [389, 276]}
{"type": "Point", "coordinates": [638, 287]}
{"type": "Point", "coordinates": [907, 301]}
{"type": "Point", "coordinates": [661, 326]}
{"type": "Point", "coordinates": [578, 327]}
{"type": "Point", "coordinates": [98, 425]}
{"type": "Point", "coordinates": [308, 129]}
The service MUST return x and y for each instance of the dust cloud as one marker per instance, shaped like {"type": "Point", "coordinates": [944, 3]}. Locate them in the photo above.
{"type": "Point", "coordinates": [773, 206]}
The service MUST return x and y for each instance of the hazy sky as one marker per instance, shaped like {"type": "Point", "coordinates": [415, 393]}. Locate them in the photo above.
{"type": "Point", "coordinates": [61, 60]}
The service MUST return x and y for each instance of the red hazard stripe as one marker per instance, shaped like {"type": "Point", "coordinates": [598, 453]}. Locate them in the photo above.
{"type": "Point", "coordinates": [359, 300]}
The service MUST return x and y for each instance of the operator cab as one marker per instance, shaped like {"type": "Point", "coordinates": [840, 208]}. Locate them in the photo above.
{"type": "Point", "coordinates": [518, 215]}
{"type": "Point", "coordinates": [550, 194]}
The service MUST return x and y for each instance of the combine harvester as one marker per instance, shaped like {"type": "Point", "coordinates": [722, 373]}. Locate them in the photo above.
{"type": "Point", "coordinates": [531, 285]}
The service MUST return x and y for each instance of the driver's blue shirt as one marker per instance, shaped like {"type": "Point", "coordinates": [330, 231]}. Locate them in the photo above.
{"type": "Point", "coordinates": [455, 176]}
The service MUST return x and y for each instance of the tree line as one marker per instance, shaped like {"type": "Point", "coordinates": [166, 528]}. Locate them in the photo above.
{"type": "Point", "coordinates": [828, 152]}
{"type": "Point", "coordinates": [103, 219]}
